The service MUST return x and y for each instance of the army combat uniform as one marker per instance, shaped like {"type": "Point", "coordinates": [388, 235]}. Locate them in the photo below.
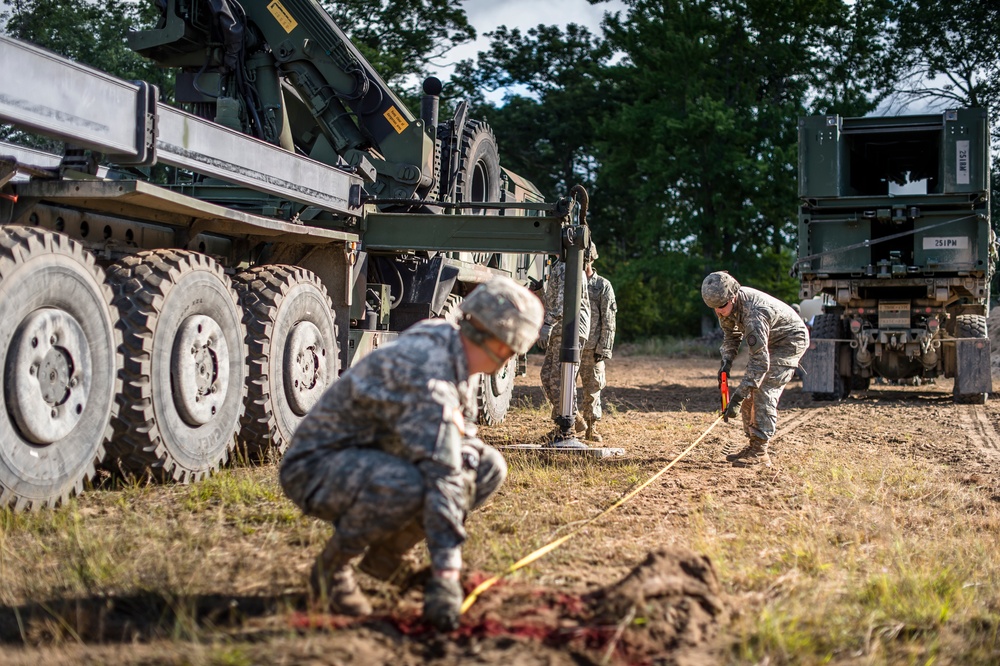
{"type": "Point", "coordinates": [389, 454]}
{"type": "Point", "coordinates": [776, 338]}
{"type": "Point", "coordinates": [551, 373]}
{"type": "Point", "coordinates": [598, 348]}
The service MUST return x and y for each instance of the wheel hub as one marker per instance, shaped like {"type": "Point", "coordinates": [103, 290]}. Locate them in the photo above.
{"type": "Point", "coordinates": [305, 367]}
{"type": "Point", "coordinates": [199, 369]}
{"type": "Point", "coordinates": [49, 370]}
{"type": "Point", "coordinates": [503, 381]}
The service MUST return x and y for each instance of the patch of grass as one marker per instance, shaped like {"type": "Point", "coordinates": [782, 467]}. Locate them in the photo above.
{"type": "Point", "coordinates": [231, 656]}
{"type": "Point", "coordinates": [229, 488]}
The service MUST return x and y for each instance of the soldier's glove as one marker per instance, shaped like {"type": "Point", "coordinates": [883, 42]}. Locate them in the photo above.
{"type": "Point", "coordinates": [735, 400]}
{"type": "Point", "coordinates": [443, 603]}
{"type": "Point", "coordinates": [603, 355]}
{"type": "Point", "coordinates": [727, 365]}
{"type": "Point", "coordinates": [543, 336]}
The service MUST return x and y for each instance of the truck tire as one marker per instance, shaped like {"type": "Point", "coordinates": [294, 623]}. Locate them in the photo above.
{"type": "Point", "coordinates": [478, 173]}
{"type": "Point", "coordinates": [493, 393]}
{"type": "Point", "coordinates": [969, 326]}
{"type": "Point", "coordinates": [827, 327]}
{"type": "Point", "coordinates": [58, 345]}
{"type": "Point", "coordinates": [184, 365]}
{"type": "Point", "coordinates": [293, 352]}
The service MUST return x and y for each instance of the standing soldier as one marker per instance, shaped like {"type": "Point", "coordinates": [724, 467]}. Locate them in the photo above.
{"type": "Point", "coordinates": [550, 340]}
{"type": "Point", "coordinates": [776, 337]}
{"type": "Point", "coordinates": [389, 454]}
{"type": "Point", "coordinates": [600, 342]}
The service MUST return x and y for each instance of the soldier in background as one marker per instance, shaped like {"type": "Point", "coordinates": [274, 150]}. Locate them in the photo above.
{"type": "Point", "coordinates": [600, 342]}
{"type": "Point", "coordinates": [550, 340]}
{"type": "Point", "coordinates": [776, 337]}
{"type": "Point", "coordinates": [389, 454]}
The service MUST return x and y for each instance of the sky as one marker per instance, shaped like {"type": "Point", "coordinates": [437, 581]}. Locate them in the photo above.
{"type": "Point", "coordinates": [487, 15]}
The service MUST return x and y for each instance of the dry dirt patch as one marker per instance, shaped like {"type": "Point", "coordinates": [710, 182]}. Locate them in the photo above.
{"type": "Point", "coordinates": [869, 542]}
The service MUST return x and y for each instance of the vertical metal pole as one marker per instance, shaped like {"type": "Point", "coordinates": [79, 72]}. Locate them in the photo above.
{"type": "Point", "coordinates": [575, 241]}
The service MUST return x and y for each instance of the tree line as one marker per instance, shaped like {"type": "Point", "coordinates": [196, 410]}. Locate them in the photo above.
{"type": "Point", "coordinates": [680, 116]}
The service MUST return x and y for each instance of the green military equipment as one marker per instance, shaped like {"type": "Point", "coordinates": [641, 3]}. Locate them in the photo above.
{"type": "Point", "coordinates": [306, 217]}
{"type": "Point", "coordinates": [894, 232]}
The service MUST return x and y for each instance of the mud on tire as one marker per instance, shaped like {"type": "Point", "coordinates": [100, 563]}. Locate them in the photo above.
{"type": "Point", "coordinates": [969, 326]}
{"type": "Point", "coordinates": [827, 327]}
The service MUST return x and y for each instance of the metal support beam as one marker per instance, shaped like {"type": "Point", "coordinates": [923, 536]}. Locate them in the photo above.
{"type": "Point", "coordinates": [462, 233]}
{"type": "Point", "coordinates": [96, 111]}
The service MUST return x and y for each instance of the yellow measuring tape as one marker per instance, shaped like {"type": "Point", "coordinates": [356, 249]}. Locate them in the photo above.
{"type": "Point", "coordinates": [544, 550]}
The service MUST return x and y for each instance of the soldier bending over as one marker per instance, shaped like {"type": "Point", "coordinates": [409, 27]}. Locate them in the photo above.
{"type": "Point", "coordinates": [389, 454]}
{"type": "Point", "coordinates": [776, 337]}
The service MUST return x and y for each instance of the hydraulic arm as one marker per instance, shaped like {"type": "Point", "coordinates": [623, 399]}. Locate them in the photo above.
{"type": "Point", "coordinates": [283, 71]}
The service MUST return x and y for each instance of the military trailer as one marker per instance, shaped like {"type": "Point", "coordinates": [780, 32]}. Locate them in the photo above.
{"type": "Point", "coordinates": [153, 320]}
{"type": "Point", "coordinates": [894, 230]}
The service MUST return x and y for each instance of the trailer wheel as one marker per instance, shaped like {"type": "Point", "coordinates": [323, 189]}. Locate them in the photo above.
{"type": "Point", "coordinates": [58, 347]}
{"type": "Point", "coordinates": [184, 365]}
{"type": "Point", "coordinates": [293, 352]}
{"type": "Point", "coordinates": [827, 327]}
{"type": "Point", "coordinates": [493, 393]}
{"type": "Point", "coordinates": [969, 326]}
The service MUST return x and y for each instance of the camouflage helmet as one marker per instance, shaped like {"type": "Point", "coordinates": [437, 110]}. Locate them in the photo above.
{"type": "Point", "coordinates": [507, 311]}
{"type": "Point", "coordinates": [591, 253]}
{"type": "Point", "coordinates": [718, 289]}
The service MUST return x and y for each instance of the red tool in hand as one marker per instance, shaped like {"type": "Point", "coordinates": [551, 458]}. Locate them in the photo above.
{"type": "Point", "coordinates": [724, 389]}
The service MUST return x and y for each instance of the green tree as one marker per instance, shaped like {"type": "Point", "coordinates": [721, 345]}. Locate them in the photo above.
{"type": "Point", "coordinates": [948, 55]}
{"type": "Point", "coordinates": [682, 122]}
{"type": "Point", "coordinates": [87, 32]}
{"type": "Point", "coordinates": [698, 166]}
{"type": "Point", "coordinates": [555, 97]}
{"type": "Point", "coordinates": [403, 39]}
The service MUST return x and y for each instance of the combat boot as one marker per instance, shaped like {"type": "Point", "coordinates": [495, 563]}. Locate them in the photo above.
{"type": "Point", "coordinates": [332, 581]}
{"type": "Point", "coordinates": [391, 559]}
{"type": "Point", "coordinates": [754, 453]}
{"type": "Point", "coordinates": [592, 433]}
{"type": "Point", "coordinates": [581, 425]}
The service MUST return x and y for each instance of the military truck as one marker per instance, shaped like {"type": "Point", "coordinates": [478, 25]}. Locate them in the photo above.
{"type": "Point", "coordinates": [149, 322]}
{"type": "Point", "coordinates": [894, 230]}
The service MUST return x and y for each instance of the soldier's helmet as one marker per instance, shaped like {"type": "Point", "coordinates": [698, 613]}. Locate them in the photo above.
{"type": "Point", "coordinates": [591, 252]}
{"type": "Point", "coordinates": [507, 311]}
{"type": "Point", "coordinates": [718, 288]}
{"type": "Point", "coordinates": [797, 308]}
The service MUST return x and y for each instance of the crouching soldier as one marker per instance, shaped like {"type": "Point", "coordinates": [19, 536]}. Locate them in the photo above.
{"type": "Point", "coordinates": [389, 454]}
{"type": "Point", "coordinates": [776, 337]}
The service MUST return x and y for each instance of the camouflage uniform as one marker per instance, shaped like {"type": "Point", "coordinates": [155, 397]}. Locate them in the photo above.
{"type": "Point", "coordinates": [551, 373]}
{"type": "Point", "coordinates": [600, 342]}
{"type": "Point", "coordinates": [776, 338]}
{"type": "Point", "coordinates": [391, 447]}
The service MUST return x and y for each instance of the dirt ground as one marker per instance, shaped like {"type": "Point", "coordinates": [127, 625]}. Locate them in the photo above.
{"type": "Point", "coordinates": [580, 603]}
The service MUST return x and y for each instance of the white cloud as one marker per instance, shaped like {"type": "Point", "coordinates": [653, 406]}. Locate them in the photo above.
{"type": "Point", "coordinates": [487, 15]}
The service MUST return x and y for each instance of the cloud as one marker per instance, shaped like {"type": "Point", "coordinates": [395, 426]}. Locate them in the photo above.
{"type": "Point", "coordinates": [487, 15]}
